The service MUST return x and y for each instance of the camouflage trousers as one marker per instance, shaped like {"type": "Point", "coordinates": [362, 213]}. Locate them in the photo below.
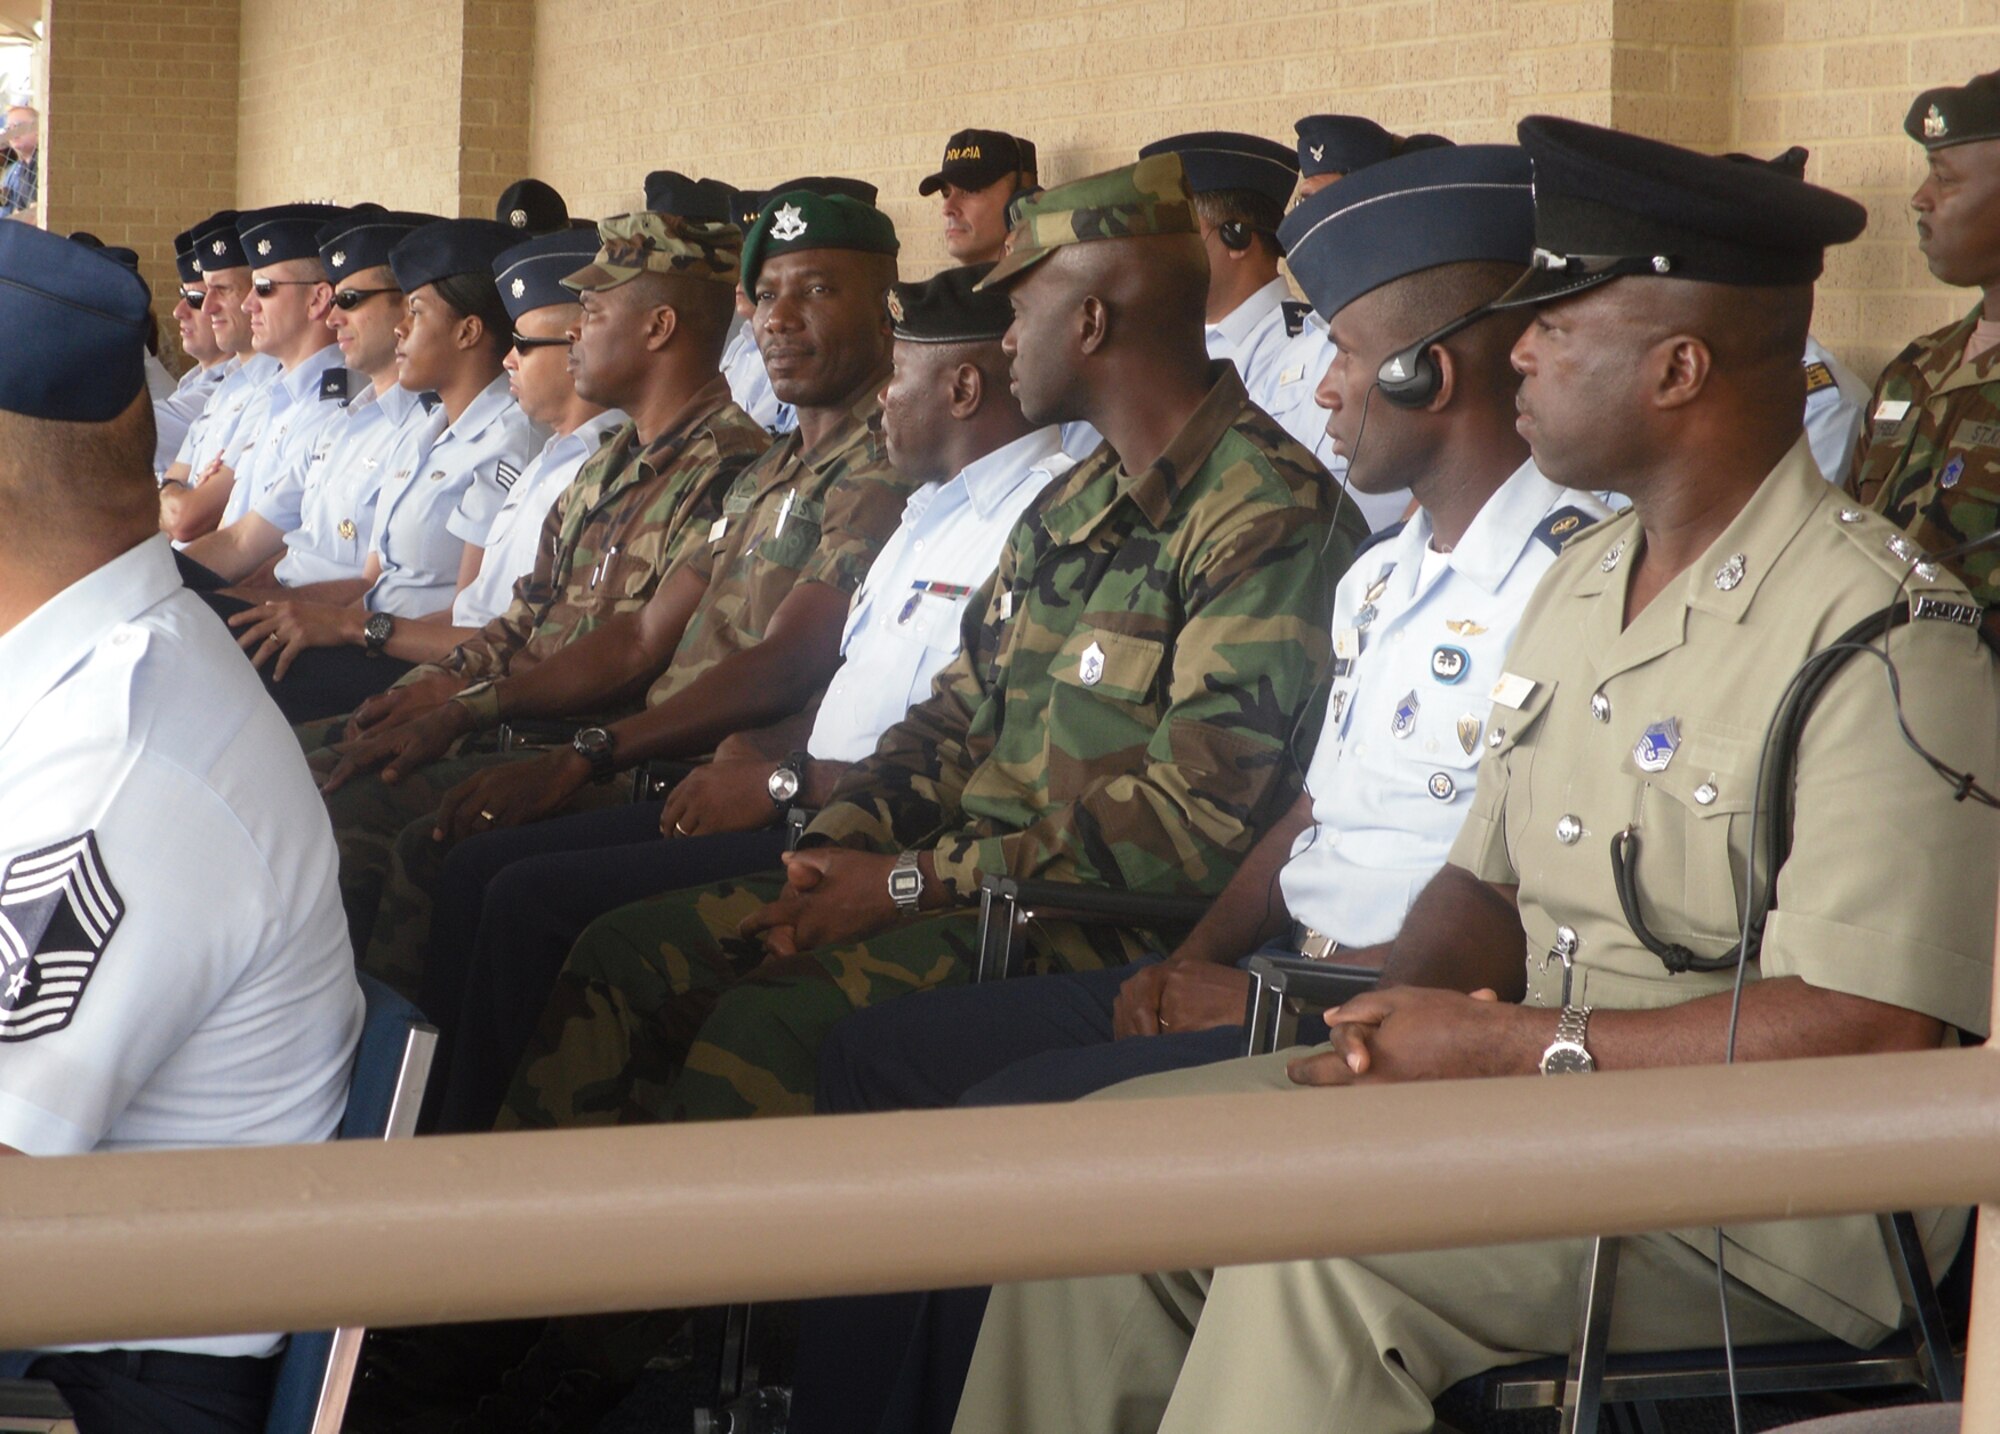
{"type": "Point", "coordinates": [662, 1012]}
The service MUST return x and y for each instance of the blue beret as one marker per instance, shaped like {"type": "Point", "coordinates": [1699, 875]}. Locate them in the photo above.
{"type": "Point", "coordinates": [1455, 205]}
{"type": "Point", "coordinates": [88, 314]}
{"type": "Point", "coordinates": [449, 246]}
{"type": "Point", "coordinates": [216, 245]}
{"type": "Point", "coordinates": [284, 231]}
{"type": "Point", "coordinates": [1609, 205]}
{"type": "Point", "coordinates": [184, 257]}
{"type": "Point", "coordinates": [530, 275]}
{"type": "Point", "coordinates": [362, 238]}
{"type": "Point", "coordinates": [1219, 159]}
{"type": "Point", "coordinates": [668, 191]}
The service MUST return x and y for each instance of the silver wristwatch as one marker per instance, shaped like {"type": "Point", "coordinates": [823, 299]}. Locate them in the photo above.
{"type": "Point", "coordinates": [1567, 1054]}
{"type": "Point", "coordinates": [906, 882]}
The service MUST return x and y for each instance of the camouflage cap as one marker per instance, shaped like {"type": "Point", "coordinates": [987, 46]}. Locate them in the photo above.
{"type": "Point", "coordinates": [1150, 197]}
{"type": "Point", "coordinates": [664, 243]}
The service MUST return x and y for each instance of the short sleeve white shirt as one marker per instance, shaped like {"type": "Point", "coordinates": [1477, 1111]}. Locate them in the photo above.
{"type": "Point", "coordinates": [343, 482]}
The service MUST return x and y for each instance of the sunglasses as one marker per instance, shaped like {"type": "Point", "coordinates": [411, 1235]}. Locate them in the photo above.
{"type": "Point", "coordinates": [524, 343]}
{"type": "Point", "coordinates": [193, 297]}
{"type": "Point", "coordinates": [264, 288]}
{"type": "Point", "coordinates": [350, 299]}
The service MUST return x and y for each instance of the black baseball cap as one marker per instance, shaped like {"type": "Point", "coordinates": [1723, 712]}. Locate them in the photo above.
{"type": "Point", "coordinates": [975, 158]}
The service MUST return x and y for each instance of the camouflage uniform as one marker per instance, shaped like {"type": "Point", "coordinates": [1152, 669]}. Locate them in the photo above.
{"type": "Point", "coordinates": [1929, 455]}
{"type": "Point", "coordinates": [1126, 711]}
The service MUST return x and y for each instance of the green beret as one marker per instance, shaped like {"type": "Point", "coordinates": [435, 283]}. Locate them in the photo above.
{"type": "Point", "coordinates": [1956, 114]}
{"type": "Point", "coordinates": [1150, 197]}
{"type": "Point", "coordinates": [797, 219]}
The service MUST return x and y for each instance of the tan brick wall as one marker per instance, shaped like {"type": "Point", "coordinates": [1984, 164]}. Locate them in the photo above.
{"type": "Point", "coordinates": [134, 125]}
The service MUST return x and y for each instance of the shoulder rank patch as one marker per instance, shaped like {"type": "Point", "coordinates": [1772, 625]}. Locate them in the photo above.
{"type": "Point", "coordinates": [1295, 317]}
{"type": "Point", "coordinates": [504, 473]}
{"type": "Point", "coordinates": [333, 385]}
{"type": "Point", "coordinates": [1818, 376]}
{"type": "Point", "coordinates": [58, 909]}
{"type": "Point", "coordinates": [1377, 538]}
{"type": "Point", "coordinates": [1968, 614]}
{"type": "Point", "coordinates": [1562, 525]}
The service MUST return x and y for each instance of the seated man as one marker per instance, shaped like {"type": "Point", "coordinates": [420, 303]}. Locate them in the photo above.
{"type": "Point", "coordinates": [982, 171]}
{"type": "Point", "coordinates": [173, 972]}
{"type": "Point", "coordinates": [1929, 460]}
{"type": "Point", "coordinates": [746, 633]}
{"type": "Point", "coordinates": [1421, 625]}
{"type": "Point", "coordinates": [175, 413]}
{"type": "Point", "coordinates": [1662, 360]}
{"type": "Point", "coordinates": [504, 920]}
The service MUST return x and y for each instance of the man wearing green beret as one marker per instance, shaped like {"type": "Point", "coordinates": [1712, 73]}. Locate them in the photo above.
{"type": "Point", "coordinates": [1929, 454]}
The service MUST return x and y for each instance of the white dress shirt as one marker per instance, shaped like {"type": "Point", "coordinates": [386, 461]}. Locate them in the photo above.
{"type": "Point", "coordinates": [1419, 639]}
{"type": "Point", "coordinates": [904, 623]}
{"type": "Point", "coordinates": [209, 436]}
{"type": "Point", "coordinates": [174, 414]}
{"type": "Point", "coordinates": [276, 436]}
{"type": "Point", "coordinates": [343, 481]}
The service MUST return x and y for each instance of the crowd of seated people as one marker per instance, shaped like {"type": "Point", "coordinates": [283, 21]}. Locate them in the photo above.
{"type": "Point", "coordinates": [636, 640]}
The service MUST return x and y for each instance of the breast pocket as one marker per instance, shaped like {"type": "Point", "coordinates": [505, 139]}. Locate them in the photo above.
{"type": "Point", "coordinates": [790, 545]}
{"type": "Point", "coordinates": [1694, 831]}
{"type": "Point", "coordinates": [1511, 738]}
{"type": "Point", "coordinates": [1102, 697]}
{"type": "Point", "coordinates": [932, 636]}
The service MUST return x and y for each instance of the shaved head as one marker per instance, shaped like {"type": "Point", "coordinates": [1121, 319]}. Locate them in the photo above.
{"type": "Point", "coordinates": [71, 487]}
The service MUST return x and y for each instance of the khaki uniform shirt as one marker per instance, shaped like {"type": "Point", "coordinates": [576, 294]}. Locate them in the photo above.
{"type": "Point", "coordinates": [1929, 453]}
{"type": "Point", "coordinates": [1889, 889]}
{"type": "Point", "coordinates": [615, 534]}
{"type": "Point", "coordinates": [1140, 683]}
{"type": "Point", "coordinates": [795, 516]}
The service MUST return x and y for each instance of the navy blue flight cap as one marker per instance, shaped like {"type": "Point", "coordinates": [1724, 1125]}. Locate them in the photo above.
{"type": "Point", "coordinates": [1611, 205]}
{"type": "Point", "coordinates": [184, 257]}
{"type": "Point", "coordinates": [362, 238]}
{"type": "Point", "coordinates": [281, 232]}
{"type": "Point", "coordinates": [531, 207]}
{"type": "Point", "coordinates": [668, 191]}
{"type": "Point", "coordinates": [1341, 144]}
{"type": "Point", "coordinates": [215, 243]}
{"type": "Point", "coordinates": [88, 314]}
{"type": "Point", "coordinates": [1220, 159]}
{"type": "Point", "coordinates": [128, 257]}
{"type": "Point", "coordinates": [530, 274]}
{"type": "Point", "coordinates": [447, 247]}
{"type": "Point", "coordinates": [1456, 205]}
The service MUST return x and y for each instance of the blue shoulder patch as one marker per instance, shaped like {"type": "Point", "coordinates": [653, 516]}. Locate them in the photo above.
{"type": "Point", "coordinates": [1295, 317]}
{"type": "Point", "coordinates": [333, 385]}
{"type": "Point", "coordinates": [1562, 525]}
{"type": "Point", "coordinates": [1377, 538]}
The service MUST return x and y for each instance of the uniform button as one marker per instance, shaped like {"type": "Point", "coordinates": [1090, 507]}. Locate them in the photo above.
{"type": "Point", "coordinates": [119, 639]}
{"type": "Point", "coordinates": [1360, 750]}
{"type": "Point", "coordinates": [1600, 706]}
{"type": "Point", "coordinates": [1569, 831]}
{"type": "Point", "coordinates": [1430, 746]}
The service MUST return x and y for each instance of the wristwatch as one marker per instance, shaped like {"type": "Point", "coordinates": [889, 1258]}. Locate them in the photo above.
{"type": "Point", "coordinates": [376, 632]}
{"type": "Point", "coordinates": [1567, 1054]}
{"type": "Point", "coordinates": [786, 780]}
{"type": "Point", "coordinates": [593, 744]}
{"type": "Point", "coordinates": [906, 882]}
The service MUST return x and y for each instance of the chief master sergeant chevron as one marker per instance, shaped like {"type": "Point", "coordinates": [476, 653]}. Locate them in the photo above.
{"type": "Point", "coordinates": [174, 966]}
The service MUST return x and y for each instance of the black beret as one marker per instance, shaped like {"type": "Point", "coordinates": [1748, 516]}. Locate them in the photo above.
{"type": "Point", "coordinates": [447, 247]}
{"type": "Point", "coordinates": [1455, 205]}
{"type": "Point", "coordinates": [944, 309]}
{"type": "Point", "coordinates": [975, 158]}
{"type": "Point", "coordinates": [362, 238]}
{"type": "Point", "coordinates": [668, 191]}
{"type": "Point", "coordinates": [749, 204]}
{"type": "Point", "coordinates": [529, 206]}
{"type": "Point", "coordinates": [184, 257]}
{"type": "Point", "coordinates": [1956, 114]}
{"type": "Point", "coordinates": [1220, 159]}
{"type": "Point", "coordinates": [1609, 205]}
{"type": "Point", "coordinates": [826, 184]}
{"type": "Point", "coordinates": [88, 314]}
{"type": "Point", "coordinates": [530, 275]}
{"type": "Point", "coordinates": [215, 243]}
{"type": "Point", "coordinates": [284, 231]}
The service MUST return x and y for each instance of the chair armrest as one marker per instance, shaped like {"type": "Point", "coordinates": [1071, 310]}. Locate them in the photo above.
{"type": "Point", "coordinates": [35, 1405]}
{"type": "Point", "coordinates": [1283, 988]}
{"type": "Point", "coordinates": [797, 819]}
{"type": "Point", "coordinates": [1097, 904]}
{"type": "Point", "coordinates": [529, 733]}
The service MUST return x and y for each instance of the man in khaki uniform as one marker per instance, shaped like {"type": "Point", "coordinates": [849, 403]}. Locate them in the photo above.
{"type": "Point", "coordinates": [1663, 363]}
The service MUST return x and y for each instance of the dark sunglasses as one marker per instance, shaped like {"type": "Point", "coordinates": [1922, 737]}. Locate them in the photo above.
{"type": "Point", "coordinates": [264, 288]}
{"type": "Point", "coordinates": [350, 299]}
{"type": "Point", "coordinates": [524, 343]}
{"type": "Point", "coordinates": [193, 297]}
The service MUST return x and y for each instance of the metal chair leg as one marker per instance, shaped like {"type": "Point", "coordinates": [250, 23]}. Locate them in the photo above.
{"type": "Point", "coordinates": [733, 1366]}
{"type": "Point", "coordinates": [1584, 1382]}
{"type": "Point", "coordinates": [1928, 1331]}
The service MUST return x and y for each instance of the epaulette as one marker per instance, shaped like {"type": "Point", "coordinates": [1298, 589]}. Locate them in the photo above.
{"type": "Point", "coordinates": [1295, 317]}
{"type": "Point", "coordinates": [333, 385]}
{"type": "Point", "coordinates": [1818, 376]}
{"type": "Point", "coordinates": [1900, 557]}
{"type": "Point", "coordinates": [1562, 525]}
{"type": "Point", "coordinates": [429, 400]}
{"type": "Point", "coordinates": [1377, 538]}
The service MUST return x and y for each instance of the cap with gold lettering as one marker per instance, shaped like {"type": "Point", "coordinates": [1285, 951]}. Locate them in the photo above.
{"type": "Point", "coordinates": [975, 158]}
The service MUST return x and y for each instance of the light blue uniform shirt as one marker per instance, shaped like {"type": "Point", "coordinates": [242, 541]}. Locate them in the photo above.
{"type": "Point", "coordinates": [208, 437]}
{"type": "Point", "coordinates": [343, 481]}
{"type": "Point", "coordinates": [453, 489]}
{"type": "Point", "coordinates": [1833, 411]}
{"type": "Point", "coordinates": [1418, 644]}
{"type": "Point", "coordinates": [903, 624]}
{"type": "Point", "coordinates": [277, 436]}
{"type": "Point", "coordinates": [174, 414]}
{"type": "Point", "coordinates": [750, 386]}
{"type": "Point", "coordinates": [515, 538]}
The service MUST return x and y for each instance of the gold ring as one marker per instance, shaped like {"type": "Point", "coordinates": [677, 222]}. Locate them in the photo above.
{"type": "Point", "coordinates": [682, 830]}
{"type": "Point", "coordinates": [490, 819]}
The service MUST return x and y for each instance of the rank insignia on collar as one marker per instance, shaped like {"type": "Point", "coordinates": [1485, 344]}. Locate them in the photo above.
{"type": "Point", "coordinates": [1465, 626]}
{"type": "Point", "coordinates": [1468, 732]}
{"type": "Point", "coordinates": [788, 223]}
{"type": "Point", "coordinates": [58, 910]}
{"type": "Point", "coordinates": [1090, 667]}
{"type": "Point", "coordinates": [1404, 721]}
{"type": "Point", "coordinates": [1729, 576]}
{"type": "Point", "coordinates": [1611, 556]}
{"type": "Point", "coordinates": [1657, 744]}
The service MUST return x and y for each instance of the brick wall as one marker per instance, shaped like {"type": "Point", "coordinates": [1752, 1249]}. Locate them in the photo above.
{"type": "Point", "coordinates": [138, 135]}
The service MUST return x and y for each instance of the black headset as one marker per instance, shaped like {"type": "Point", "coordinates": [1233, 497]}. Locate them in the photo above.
{"type": "Point", "coordinates": [1407, 377]}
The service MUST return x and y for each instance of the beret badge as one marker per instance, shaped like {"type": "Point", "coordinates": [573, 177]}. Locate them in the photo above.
{"type": "Point", "coordinates": [789, 223]}
{"type": "Point", "coordinates": [1934, 124]}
